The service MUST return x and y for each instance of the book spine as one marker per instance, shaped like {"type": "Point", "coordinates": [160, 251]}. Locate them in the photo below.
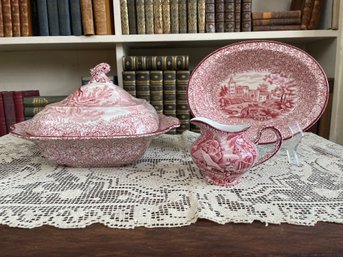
{"type": "Point", "coordinates": [140, 12]}
{"type": "Point", "coordinates": [140, 63]}
{"type": "Point", "coordinates": [32, 111]}
{"type": "Point", "coordinates": [169, 94]}
{"type": "Point", "coordinates": [156, 90]}
{"type": "Point", "coordinates": [306, 14]}
{"type": "Point", "coordinates": [54, 28]}
{"type": "Point", "coordinates": [129, 63]}
{"type": "Point", "coordinates": [219, 15]}
{"type": "Point", "coordinates": [276, 15]}
{"type": "Point", "coordinates": [192, 16]}
{"type": "Point", "coordinates": [166, 16]}
{"type": "Point", "coordinates": [7, 18]}
{"type": "Point", "coordinates": [131, 8]}
{"type": "Point", "coordinates": [99, 12]}
{"type": "Point", "coordinates": [183, 16]}
{"type": "Point", "coordinates": [149, 16]}
{"type": "Point", "coordinates": [18, 97]}
{"type": "Point", "coordinates": [3, 127]}
{"type": "Point", "coordinates": [143, 84]}
{"type": "Point", "coordinates": [43, 22]}
{"type": "Point", "coordinates": [25, 18]}
{"type": "Point", "coordinates": [2, 33]}
{"type": "Point", "coordinates": [124, 17]}
{"type": "Point", "coordinates": [201, 16]}
{"type": "Point", "coordinates": [281, 21]}
{"type": "Point", "coordinates": [75, 14]}
{"type": "Point", "coordinates": [169, 62]}
{"type": "Point", "coordinates": [87, 17]}
{"type": "Point", "coordinates": [9, 108]}
{"type": "Point", "coordinates": [238, 9]}
{"type": "Point", "coordinates": [129, 82]}
{"type": "Point", "coordinates": [229, 15]}
{"type": "Point", "coordinates": [15, 18]}
{"type": "Point", "coordinates": [297, 5]}
{"type": "Point", "coordinates": [276, 27]}
{"type": "Point", "coordinates": [64, 17]}
{"type": "Point", "coordinates": [335, 14]}
{"type": "Point", "coordinates": [34, 17]}
{"type": "Point", "coordinates": [210, 16]}
{"type": "Point", "coordinates": [182, 110]}
{"type": "Point", "coordinates": [40, 101]}
{"type": "Point", "coordinates": [315, 16]}
{"type": "Point", "coordinates": [158, 20]}
{"type": "Point", "coordinates": [246, 15]}
{"type": "Point", "coordinates": [174, 16]}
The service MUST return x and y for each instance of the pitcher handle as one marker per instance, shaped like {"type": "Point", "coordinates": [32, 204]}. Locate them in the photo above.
{"type": "Point", "coordinates": [278, 143]}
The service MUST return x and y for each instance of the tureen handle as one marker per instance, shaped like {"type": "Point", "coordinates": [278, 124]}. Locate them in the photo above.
{"type": "Point", "coordinates": [98, 73]}
{"type": "Point", "coordinates": [276, 148]}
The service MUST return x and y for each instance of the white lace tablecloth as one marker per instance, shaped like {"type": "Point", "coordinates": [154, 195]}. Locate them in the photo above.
{"type": "Point", "coordinates": [165, 189]}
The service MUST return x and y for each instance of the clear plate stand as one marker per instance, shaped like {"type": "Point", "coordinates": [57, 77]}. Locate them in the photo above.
{"type": "Point", "coordinates": [291, 145]}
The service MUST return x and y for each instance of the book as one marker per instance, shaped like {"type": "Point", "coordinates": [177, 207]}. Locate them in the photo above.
{"type": "Point", "coordinates": [87, 17]}
{"type": "Point", "coordinates": [9, 108]}
{"type": "Point", "coordinates": [158, 20]}
{"type": "Point", "coordinates": [281, 21]}
{"type": "Point", "coordinates": [276, 27]}
{"type": "Point", "coordinates": [149, 16]}
{"type": "Point", "coordinates": [229, 15]}
{"type": "Point", "coordinates": [124, 17]}
{"type": "Point", "coordinates": [75, 16]}
{"type": "Point", "coordinates": [131, 8]}
{"type": "Point", "coordinates": [306, 13]}
{"type": "Point", "coordinates": [43, 21]}
{"type": "Point", "coordinates": [166, 16]}
{"type": "Point", "coordinates": [140, 12]}
{"type": "Point", "coordinates": [169, 94]}
{"type": "Point", "coordinates": [34, 17]}
{"type": "Point", "coordinates": [64, 17]}
{"type": "Point", "coordinates": [40, 101]}
{"type": "Point", "coordinates": [15, 18]}
{"type": "Point", "coordinates": [210, 17]}
{"type": "Point", "coordinates": [143, 84]}
{"type": "Point", "coordinates": [18, 97]}
{"type": "Point", "coordinates": [276, 14]}
{"type": "Point", "coordinates": [183, 16]}
{"type": "Point", "coordinates": [54, 27]}
{"type": "Point", "coordinates": [297, 5]}
{"type": "Point", "coordinates": [32, 111]}
{"type": "Point", "coordinates": [238, 10]}
{"type": "Point", "coordinates": [102, 17]}
{"type": "Point", "coordinates": [246, 15]}
{"type": "Point", "coordinates": [182, 110]}
{"type": "Point", "coordinates": [156, 90]}
{"type": "Point", "coordinates": [129, 82]}
{"type": "Point", "coordinates": [170, 62]}
{"type": "Point", "coordinates": [192, 16]}
{"type": "Point", "coordinates": [335, 14]}
{"type": "Point", "coordinates": [219, 15]}
{"type": "Point", "coordinates": [201, 16]}
{"type": "Point", "coordinates": [7, 18]}
{"type": "Point", "coordinates": [174, 16]}
{"type": "Point", "coordinates": [315, 15]}
{"type": "Point", "coordinates": [2, 33]}
{"type": "Point", "coordinates": [3, 127]}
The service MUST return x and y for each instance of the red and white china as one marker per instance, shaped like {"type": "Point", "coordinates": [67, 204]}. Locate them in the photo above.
{"type": "Point", "coordinates": [100, 124]}
{"type": "Point", "coordinates": [224, 153]}
{"type": "Point", "coordinates": [260, 83]}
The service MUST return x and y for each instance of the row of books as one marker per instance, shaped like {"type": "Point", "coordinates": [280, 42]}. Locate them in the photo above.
{"type": "Point", "coordinates": [12, 108]}
{"type": "Point", "coordinates": [303, 14]}
{"type": "Point", "coordinates": [55, 17]}
{"type": "Point", "coordinates": [185, 16]}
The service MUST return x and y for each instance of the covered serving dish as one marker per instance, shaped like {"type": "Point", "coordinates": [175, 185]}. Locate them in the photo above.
{"type": "Point", "coordinates": [100, 124]}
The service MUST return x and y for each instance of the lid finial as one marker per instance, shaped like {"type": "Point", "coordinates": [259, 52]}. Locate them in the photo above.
{"type": "Point", "coordinates": [98, 73]}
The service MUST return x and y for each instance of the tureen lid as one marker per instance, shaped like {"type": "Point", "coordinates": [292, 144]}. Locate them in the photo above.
{"type": "Point", "coordinates": [99, 108]}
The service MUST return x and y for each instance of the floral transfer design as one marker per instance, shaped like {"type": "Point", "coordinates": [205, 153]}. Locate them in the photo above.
{"type": "Point", "coordinates": [258, 95]}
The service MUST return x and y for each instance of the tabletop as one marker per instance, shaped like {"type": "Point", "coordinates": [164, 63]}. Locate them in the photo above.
{"type": "Point", "coordinates": [204, 238]}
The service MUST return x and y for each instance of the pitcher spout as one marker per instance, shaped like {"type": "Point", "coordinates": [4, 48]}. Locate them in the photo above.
{"type": "Point", "coordinates": [199, 121]}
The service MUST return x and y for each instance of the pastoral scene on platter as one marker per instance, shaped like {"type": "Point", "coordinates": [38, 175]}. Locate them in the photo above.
{"type": "Point", "coordinates": [257, 95]}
